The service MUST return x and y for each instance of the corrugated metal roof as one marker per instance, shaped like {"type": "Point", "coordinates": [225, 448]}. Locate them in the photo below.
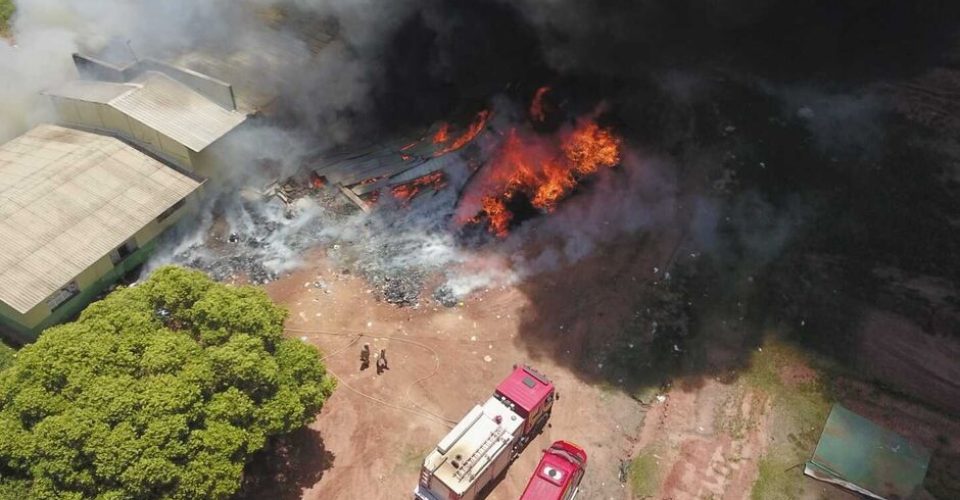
{"type": "Point", "coordinates": [859, 455]}
{"type": "Point", "coordinates": [69, 198]}
{"type": "Point", "coordinates": [91, 91]}
{"type": "Point", "coordinates": [161, 103]}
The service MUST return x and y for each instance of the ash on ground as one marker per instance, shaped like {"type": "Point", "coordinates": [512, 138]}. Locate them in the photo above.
{"type": "Point", "coordinates": [445, 296]}
{"type": "Point", "coordinates": [256, 238]}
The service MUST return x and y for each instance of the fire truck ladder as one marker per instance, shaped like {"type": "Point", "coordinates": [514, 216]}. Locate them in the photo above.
{"type": "Point", "coordinates": [470, 462]}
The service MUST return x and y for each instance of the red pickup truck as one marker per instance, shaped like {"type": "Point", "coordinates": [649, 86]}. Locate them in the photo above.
{"type": "Point", "coordinates": [558, 474]}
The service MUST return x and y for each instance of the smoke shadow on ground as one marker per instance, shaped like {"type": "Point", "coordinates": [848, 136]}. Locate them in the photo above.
{"type": "Point", "coordinates": [287, 466]}
{"type": "Point", "coordinates": [625, 317]}
{"type": "Point", "coordinates": [796, 231]}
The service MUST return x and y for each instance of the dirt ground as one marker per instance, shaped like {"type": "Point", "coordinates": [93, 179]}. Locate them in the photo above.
{"type": "Point", "coordinates": [373, 433]}
{"type": "Point", "coordinates": [375, 430]}
{"type": "Point", "coordinates": [698, 454]}
{"type": "Point", "coordinates": [707, 437]}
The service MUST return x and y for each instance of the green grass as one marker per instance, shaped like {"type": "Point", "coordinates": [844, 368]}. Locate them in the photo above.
{"type": "Point", "coordinates": [644, 475]}
{"type": "Point", "coordinates": [799, 411]}
{"type": "Point", "coordinates": [777, 479]}
{"type": "Point", "coordinates": [6, 12]}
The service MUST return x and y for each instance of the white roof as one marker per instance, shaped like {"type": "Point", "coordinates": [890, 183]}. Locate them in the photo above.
{"type": "Point", "coordinates": [92, 91]}
{"type": "Point", "coordinates": [67, 198]}
{"type": "Point", "coordinates": [467, 450]}
{"type": "Point", "coordinates": [161, 103]}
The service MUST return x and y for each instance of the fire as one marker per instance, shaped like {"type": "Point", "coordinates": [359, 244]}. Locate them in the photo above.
{"type": "Point", "coordinates": [476, 126]}
{"type": "Point", "coordinates": [544, 171]}
{"type": "Point", "coordinates": [537, 111]}
{"type": "Point", "coordinates": [590, 147]}
{"type": "Point", "coordinates": [406, 192]}
{"type": "Point", "coordinates": [498, 215]}
{"type": "Point", "coordinates": [443, 134]}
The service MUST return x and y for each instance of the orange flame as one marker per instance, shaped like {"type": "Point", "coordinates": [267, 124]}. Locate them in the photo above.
{"type": "Point", "coordinates": [544, 171]}
{"type": "Point", "coordinates": [590, 147]}
{"type": "Point", "coordinates": [476, 126]}
{"type": "Point", "coordinates": [498, 215]}
{"type": "Point", "coordinates": [406, 192]}
{"type": "Point", "coordinates": [443, 134]}
{"type": "Point", "coordinates": [537, 111]}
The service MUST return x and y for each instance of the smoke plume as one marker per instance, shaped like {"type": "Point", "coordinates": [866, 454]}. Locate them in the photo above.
{"type": "Point", "coordinates": [353, 71]}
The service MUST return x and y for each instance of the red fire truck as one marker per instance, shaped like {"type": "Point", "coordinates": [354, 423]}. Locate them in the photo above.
{"type": "Point", "coordinates": [481, 446]}
{"type": "Point", "coordinates": [558, 474]}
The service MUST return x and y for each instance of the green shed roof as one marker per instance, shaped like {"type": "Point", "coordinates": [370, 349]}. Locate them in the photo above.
{"type": "Point", "coordinates": [860, 455]}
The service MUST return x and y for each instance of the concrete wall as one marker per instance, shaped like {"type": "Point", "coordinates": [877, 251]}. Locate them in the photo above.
{"type": "Point", "coordinates": [213, 89]}
{"type": "Point", "coordinates": [95, 69]}
{"type": "Point", "coordinates": [24, 328]}
{"type": "Point", "coordinates": [206, 164]}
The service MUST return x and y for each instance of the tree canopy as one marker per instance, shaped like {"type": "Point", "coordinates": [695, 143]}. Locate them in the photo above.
{"type": "Point", "coordinates": [161, 390]}
{"type": "Point", "coordinates": [6, 12]}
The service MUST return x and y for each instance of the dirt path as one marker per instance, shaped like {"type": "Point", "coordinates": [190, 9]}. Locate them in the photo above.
{"type": "Point", "coordinates": [704, 442]}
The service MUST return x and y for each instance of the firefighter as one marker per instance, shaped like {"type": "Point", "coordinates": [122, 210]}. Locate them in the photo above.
{"type": "Point", "coordinates": [365, 357]}
{"type": "Point", "coordinates": [382, 362]}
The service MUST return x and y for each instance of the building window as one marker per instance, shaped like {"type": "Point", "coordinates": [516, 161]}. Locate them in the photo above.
{"type": "Point", "coordinates": [123, 251]}
{"type": "Point", "coordinates": [62, 295]}
{"type": "Point", "coordinates": [168, 212]}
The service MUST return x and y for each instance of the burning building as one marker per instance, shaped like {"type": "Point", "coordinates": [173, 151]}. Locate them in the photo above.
{"type": "Point", "coordinates": [78, 211]}
{"type": "Point", "coordinates": [407, 166]}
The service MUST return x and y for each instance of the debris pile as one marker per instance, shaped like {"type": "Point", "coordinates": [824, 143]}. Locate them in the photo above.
{"type": "Point", "coordinates": [445, 296]}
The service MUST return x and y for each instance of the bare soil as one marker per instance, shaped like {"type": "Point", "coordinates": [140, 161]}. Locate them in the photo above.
{"type": "Point", "coordinates": [706, 441]}
{"type": "Point", "coordinates": [707, 437]}
{"type": "Point", "coordinates": [442, 361]}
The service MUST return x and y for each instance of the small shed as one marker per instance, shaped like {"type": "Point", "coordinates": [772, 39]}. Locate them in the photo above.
{"type": "Point", "coordinates": [860, 455]}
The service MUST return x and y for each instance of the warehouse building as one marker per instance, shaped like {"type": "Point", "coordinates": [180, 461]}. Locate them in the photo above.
{"type": "Point", "coordinates": [174, 113]}
{"type": "Point", "coordinates": [77, 211]}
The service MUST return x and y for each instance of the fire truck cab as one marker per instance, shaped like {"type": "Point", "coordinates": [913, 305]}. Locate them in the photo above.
{"type": "Point", "coordinates": [558, 474]}
{"type": "Point", "coordinates": [487, 440]}
{"type": "Point", "coordinates": [530, 394]}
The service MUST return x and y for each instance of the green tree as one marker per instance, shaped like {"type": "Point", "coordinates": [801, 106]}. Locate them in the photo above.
{"type": "Point", "coordinates": [6, 12]}
{"type": "Point", "coordinates": [161, 390]}
{"type": "Point", "coordinates": [7, 355]}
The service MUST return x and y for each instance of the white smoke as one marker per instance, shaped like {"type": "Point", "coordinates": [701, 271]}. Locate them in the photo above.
{"type": "Point", "coordinates": [38, 56]}
{"type": "Point", "coordinates": [327, 89]}
{"type": "Point", "coordinates": [639, 195]}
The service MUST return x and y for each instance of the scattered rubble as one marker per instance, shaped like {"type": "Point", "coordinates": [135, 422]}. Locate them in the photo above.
{"type": "Point", "coordinates": [402, 289]}
{"type": "Point", "coordinates": [445, 296]}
